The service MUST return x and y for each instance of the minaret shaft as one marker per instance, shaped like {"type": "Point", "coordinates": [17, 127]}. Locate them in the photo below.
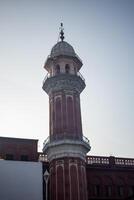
{"type": "Point", "coordinates": [65, 117]}
{"type": "Point", "coordinates": [68, 179]}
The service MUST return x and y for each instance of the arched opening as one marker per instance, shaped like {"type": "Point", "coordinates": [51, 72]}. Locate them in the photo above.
{"type": "Point", "coordinates": [97, 183]}
{"type": "Point", "coordinates": [108, 186]}
{"type": "Point", "coordinates": [67, 69]}
{"type": "Point", "coordinates": [60, 183]}
{"type": "Point", "coordinates": [70, 114]}
{"type": "Point", "coordinates": [74, 182]}
{"type": "Point", "coordinates": [75, 70]}
{"type": "Point", "coordinates": [57, 69]}
{"type": "Point", "coordinates": [130, 186]}
{"type": "Point", "coordinates": [120, 186]}
{"type": "Point", "coordinates": [58, 115]}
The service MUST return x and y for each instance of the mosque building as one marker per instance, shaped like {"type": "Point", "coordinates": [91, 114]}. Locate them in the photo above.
{"type": "Point", "coordinates": [68, 173]}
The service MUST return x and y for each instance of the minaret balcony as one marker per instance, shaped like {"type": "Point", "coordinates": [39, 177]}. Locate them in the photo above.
{"type": "Point", "coordinates": [65, 145]}
{"type": "Point", "coordinates": [65, 136]}
{"type": "Point", "coordinates": [64, 81]}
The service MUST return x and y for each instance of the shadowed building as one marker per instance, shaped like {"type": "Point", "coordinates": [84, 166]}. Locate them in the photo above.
{"type": "Point", "coordinates": [18, 149]}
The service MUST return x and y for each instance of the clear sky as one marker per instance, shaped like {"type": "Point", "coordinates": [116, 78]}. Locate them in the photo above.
{"type": "Point", "coordinates": [102, 34]}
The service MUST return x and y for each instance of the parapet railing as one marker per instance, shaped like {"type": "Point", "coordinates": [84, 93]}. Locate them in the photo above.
{"type": "Point", "coordinates": [65, 136]}
{"type": "Point", "coordinates": [111, 161]}
{"type": "Point", "coordinates": [124, 161]}
{"type": "Point", "coordinates": [49, 76]}
{"type": "Point", "coordinates": [97, 160]}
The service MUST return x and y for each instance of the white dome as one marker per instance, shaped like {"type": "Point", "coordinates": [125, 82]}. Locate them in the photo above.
{"type": "Point", "coordinates": [62, 48]}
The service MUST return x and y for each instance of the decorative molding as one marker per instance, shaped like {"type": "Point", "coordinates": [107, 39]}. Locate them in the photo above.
{"type": "Point", "coordinates": [66, 148]}
{"type": "Point", "coordinates": [64, 82]}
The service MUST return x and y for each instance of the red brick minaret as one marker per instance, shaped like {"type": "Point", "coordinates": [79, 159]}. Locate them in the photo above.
{"type": "Point", "coordinates": [66, 147]}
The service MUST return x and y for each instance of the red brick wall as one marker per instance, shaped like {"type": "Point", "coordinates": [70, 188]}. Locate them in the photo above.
{"type": "Point", "coordinates": [65, 114]}
{"type": "Point", "coordinates": [18, 147]}
{"type": "Point", "coordinates": [120, 180]}
{"type": "Point", "coordinates": [68, 179]}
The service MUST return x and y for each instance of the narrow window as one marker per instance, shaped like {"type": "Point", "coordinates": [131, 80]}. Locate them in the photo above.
{"type": "Point", "coordinates": [75, 70]}
{"type": "Point", "coordinates": [9, 157]}
{"type": "Point", "coordinates": [58, 115]}
{"type": "Point", "coordinates": [120, 191]}
{"type": "Point", "coordinates": [57, 69]}
{"type": "Point", "coordinates": [24, 158]}
{"type": "Point", "coordinates": [108, 190]}
{"type": "Point", "coordinates": [60, 185]}
{"type": "Point", "coordinates": [70, 115]}
{"type": "Point", "coordinates": [131, 190]}
{"type": "Point", "coordinates": [67, 69]}
{"type": "Point", "coordinates": [97, 190]}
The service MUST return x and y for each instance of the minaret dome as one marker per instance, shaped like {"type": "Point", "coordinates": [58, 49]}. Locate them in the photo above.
{"type": "Point", "coordinates": [62, 48]}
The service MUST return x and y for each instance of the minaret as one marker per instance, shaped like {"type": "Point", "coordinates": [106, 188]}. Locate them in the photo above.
{"type": "Point", "coordinates": [66, 147]}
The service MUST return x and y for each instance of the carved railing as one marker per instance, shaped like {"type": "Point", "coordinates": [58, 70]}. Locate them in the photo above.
{"type": "Point", "coordinates": [97, 160]}
{"type": "Point", "coordinates": [66, 136]}
{"type": "Point", "coordinates": [111, 161]}
{"type": "Point", "coordinates": [124, 161]}
{"type": "Point", "coordinates": [49, 76]}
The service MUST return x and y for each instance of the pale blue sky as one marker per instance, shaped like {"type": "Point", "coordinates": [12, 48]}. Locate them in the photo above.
{"type": "Point", "coordinates": [102, 34]}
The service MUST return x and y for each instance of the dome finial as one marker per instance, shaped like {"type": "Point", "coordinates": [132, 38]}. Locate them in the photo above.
{"type": "Point", "coordinates": [61, 32]}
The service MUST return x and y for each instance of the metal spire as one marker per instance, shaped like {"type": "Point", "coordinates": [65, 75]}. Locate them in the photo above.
{"type": "Point", "coordinates": [61, 32]}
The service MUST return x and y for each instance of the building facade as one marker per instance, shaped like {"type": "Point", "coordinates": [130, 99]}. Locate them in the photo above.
{"type": "Point", "coordinates": [18, 149]}
{"type": "Point", "coordinates": [110, 177]}
{"type": "Point", "coordinates": [107, 177]}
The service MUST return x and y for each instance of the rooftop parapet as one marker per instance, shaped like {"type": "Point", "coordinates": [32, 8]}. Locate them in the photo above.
{"type": "Point", "coordinates": [109, 161]}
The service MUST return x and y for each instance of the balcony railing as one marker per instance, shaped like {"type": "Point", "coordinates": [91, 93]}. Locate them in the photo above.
{"type": "Point", "coordinates": [66, 136]}
{"type": "Point", "coordinates": [49, 76]}
{"type": "Point", "coordinates": [124, 161]}
{"type": "Point", "coordinates": [111, 161]}
{"type": "Point", "coordinates": [98, 160]}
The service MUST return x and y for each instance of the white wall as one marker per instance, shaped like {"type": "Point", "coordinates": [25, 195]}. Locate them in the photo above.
{"type": "Point", "coordinates": [20, 180]}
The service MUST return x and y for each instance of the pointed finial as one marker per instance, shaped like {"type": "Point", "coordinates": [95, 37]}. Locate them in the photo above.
{"type": "Point", "coordinates": [61, 32]}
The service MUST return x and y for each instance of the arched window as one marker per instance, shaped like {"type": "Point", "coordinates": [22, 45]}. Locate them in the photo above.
{"type": "Point", "coordinates": [58, 115]}
{"type": "Point", "coordinates": [131, 186]}
{"type": "Point", "coordinates": [75, 70]}
{"type": "Point", "coordinates": [97, 183]}
{"type": "Point", "coordinates": [67, 69]}
{"type": "Point", "coordinates": [74, 182]}
{"type": "Point", "coordinates": [70, 114]}
{"type": "Point", "coordinates": [60, 185]}
{"type": "Point", "coordinates": [108, 186]}
{"type": "Point", "coordinates": [57, 70]}
{"type": "Point", "coordinates": [120, 186]}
